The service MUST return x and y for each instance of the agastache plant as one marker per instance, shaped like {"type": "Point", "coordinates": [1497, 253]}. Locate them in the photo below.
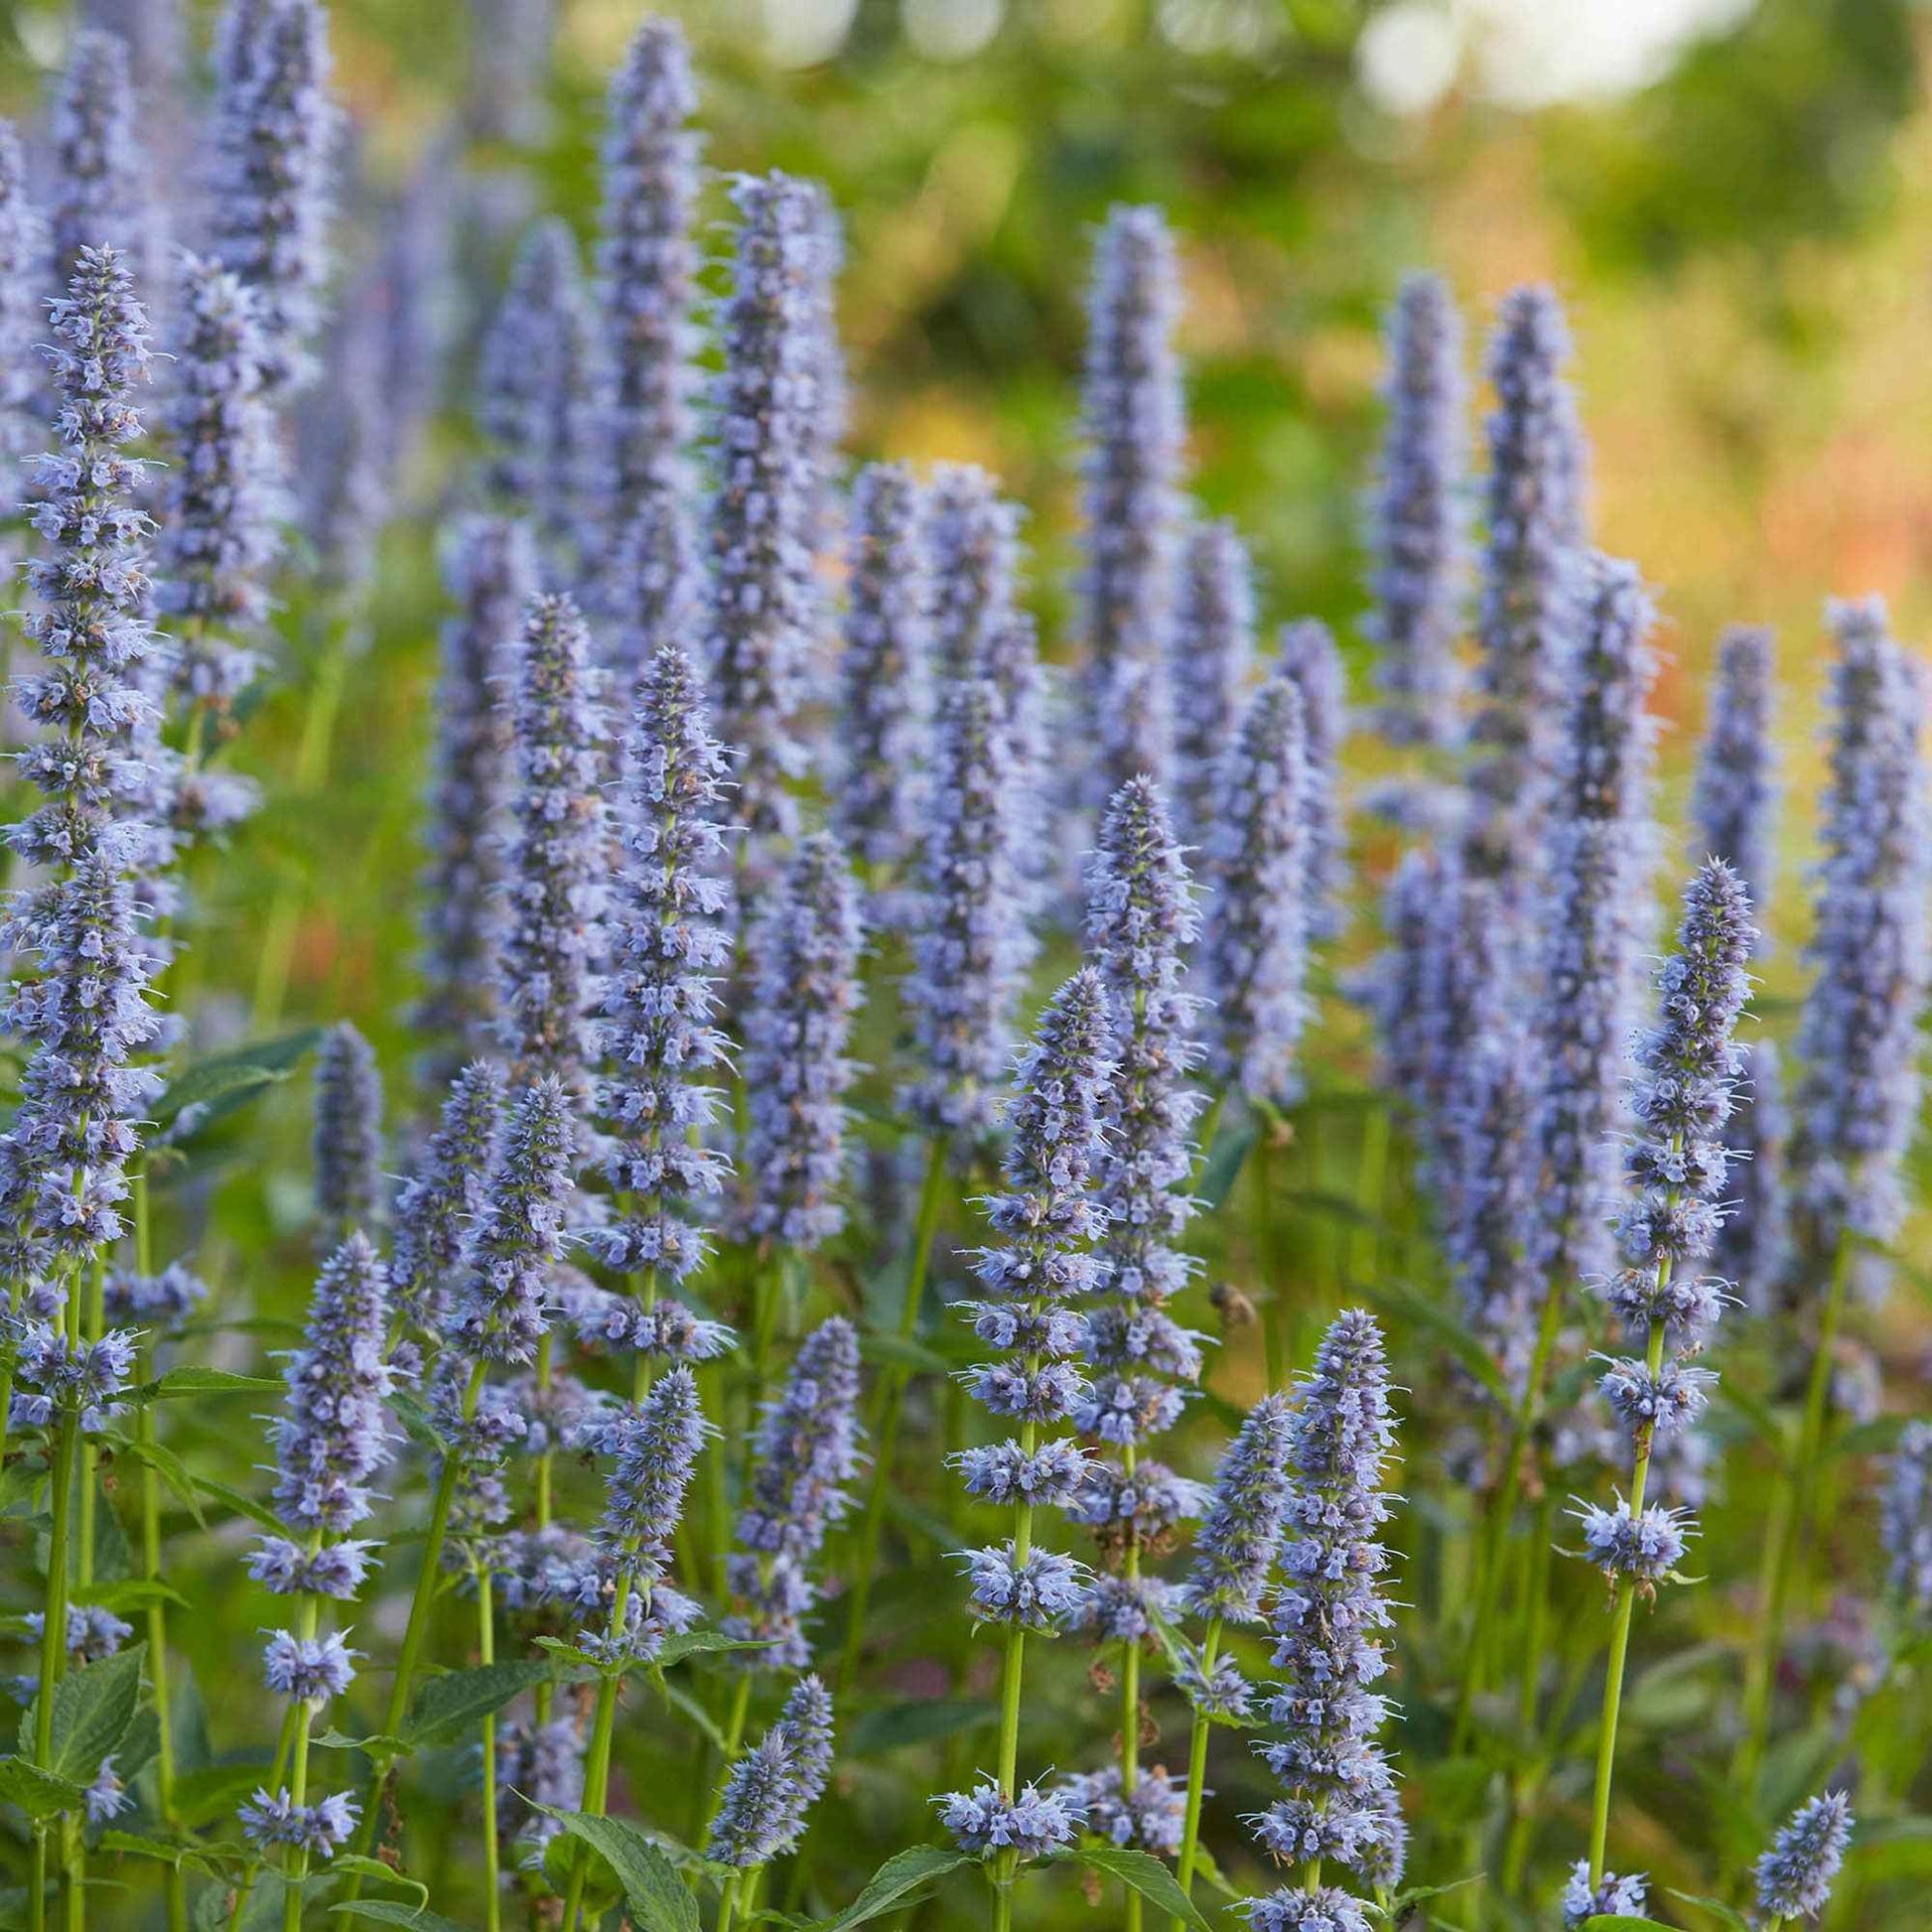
{"type": "Point", "coordinates": [1684, 1071]}
{"type": "Point", "coordinates": [22, 267]}
{"type": "Point", "coordinates": [1140, 922]}
{"type": "Point", "coordinates": [884, 667]}
{"type": "Point", "coordinates": [972, 551]}
{"type": "Point", "coordinates": [762, 614]}
{"type": "Point", "coordinates": [669, 950]}
{"type": "Point", "coordinates": [1530, 583]}
{"type": "Point", "coordinates": [1857, 1097]}
{"type": "Point", "coordinates": [98, 194]}
{"type": "Point", "coordinates": [1227, 1582]}
{"type": "Point", "coordinates": [646, 260]}
{"type": "Point", "coordinates": [1794, 1878]}
{"type": "Point", "coordinates": [442, 1200]}
{"type": "Point", "coordinates": [1034, 1285]}
{"type": "Point", "coordinates": [1734, 804]}
{"type": "Point", "coordinates": [491, 573]}
{"type": "Point", "coordinates": [1754, 1248]}
{"type": "Point", "coordinates": [348, 1142]}
{"type": "Point", "coordinates": [769, 1794]}
{"type": "Point", "coordinates": [1253, 945]}
{"type": "Point", "coordinates": [1328, 1621]}
{"type": "Point", "coordinates": [805, 993]}
{"type": "Point", "coordinates": [1133, 418]}
{"type": "Point", "coordinates": [271, 191]}
{"type": "Point", "coordinates": [1905, 1521]}
{"type": "Point", "coordinates": [554, 852]}
{"type": "Point", "coordinates": [1210, 648]}
{"type": "Point", "coordinates": [225, 494]}
{"type": "Point", "coordinates": [538, 379]}
{"type": "Point", "coordinates": [331, 1444]}
{"type": "Point", "coordinates": [1421, 518]}
{"type": "Point", "coordinates": [1310, 659]}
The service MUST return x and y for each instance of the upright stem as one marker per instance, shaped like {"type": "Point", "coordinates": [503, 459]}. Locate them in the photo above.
{"type": "Point", "coordinates": [487, 1655]}
{"type": "Point", "coordinates": [1789, 1518]}
{"type": "Point", "coordinates": [305, 1620]}
{"type": "Point", "coordinates": [1130, 1694]}
{"type": "Point", "coordinates": [1529, 1411]}
{"type": "Point", "coordinates": [1196, 1774]}
{"type": "Point", "coordinates": [54, 1626]}
{"type": "Point", "coordinates": [545, 1374]}
{"type": "Point", "coordinates": [891, 1411]}
{"type": "Point", "coordinates": [1626, 1599]}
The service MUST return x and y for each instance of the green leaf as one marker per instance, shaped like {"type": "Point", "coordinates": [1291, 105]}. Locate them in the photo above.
{"type": "Point", "coordinates": [903, 1878]}
{"type": "Point", "coordinates": [1406, 1902]}
{"type": "Point", "coordinates": [570, 1653]}
{"type": "Point", "coordinates": [256, 1512]}
{"type": "Point", "coordinates": [1724, 1914]}
{"type": "Point", "coordinates": [40, 1794]}
{"type": "Point", "coordinates": [1225, 1159]}
{"type": "Point", "coordinates": [131, 1593]}
{"type": "Point", "coordinates": [1141, 1871]}
{"type": "Point", "coordinates": [92, 1709]}
{"type": "Point", "coordinates": [1618, 1922]}
{"type": "Point", "coordinates": [1408, 1303]}
{"type": "Point", "coordinates": [172, 1470]}
{"type": "Point", "coordinates": [172, 1852]}
{"type": "Point", "coordinates": [918, 1720]}
{"type": "Point", "coordinates": [449, 1705]}
{"type": "Point", "coordinates": [189, 1379]}
{"type": "Point", "coordinates": [703, 1643]}
{"type": "Point", "coordinates": [200, 1797]}
{"type": "Point", "coordinates": [391, 1911]}
{"type": "Point", "coordinates": [221, 1082]}
{"type": "Point", "coordinates": [656, 1898]}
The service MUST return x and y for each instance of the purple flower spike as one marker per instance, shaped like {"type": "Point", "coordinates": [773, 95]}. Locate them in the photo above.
{"type": "Point", "coordinates": [884, 668]}
{"type": "Point", "coordinates": [348, 1133]}
{"type": "Point", "coordinates": [1310, 659]}
{"type": "Point", "coordinates": [1735, 804]}
{"type": "Point", "coordinates": [99, 196]}
{"type": "Point", "coordinates": [1134, 422]}
{"type": "Point", "coordinates": [556, 852]}
{"type": "Point", "coordinates": [1906, 1519]}
{"type": "Point", "coordinates": [1858, 1041]}
{"type": "Point", "coordinates": [806, 991]}
{"type": "Point", "coordinates": [1254, 953]}
{"type": "Point", "coordinates": [1421, 533]}
{"type": "Point", "coordinates": [276, 131]}
{"type": "Point", "coordinates": [501, 1310]}
{"type": "Point", "coordinates": [1794, 1878]}
{"type": "Point", "coordinates": [771, 1789]}
{"type": "Point", "coordinates": [444, 1197]}
{"type": "Point", "coordinates": [1210, 651]}
{"type": "Point", "coordinates": [1032, 1823]}
{"type": "Point", "coordinates": [490, 574]}
{"type": "Point", "coordinates": [1532, 579]}
{"type": "Point", "coordinates": [973, 539]}
{"type": "Point", "coordinates": [1237, 1544]}
{"type": "Point", "coordinates": [1754, 1246]}
{"type": "Point", "coordinates": [23, 265]}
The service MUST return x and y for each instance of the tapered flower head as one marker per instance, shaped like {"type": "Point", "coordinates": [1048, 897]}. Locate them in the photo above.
{"type": "Point", "coordinates": [1905, 1521]}
{"type": "Point", "coordinates": [555, 854]}
{"type": "Point", "coordinates": [884, 668]}
{"type": "Point", "coordinates": [971, 943]}
{"type": "Point", "coordinates": [349, 1132]}
{"type": "Point", "coordinates": [444, 1195]}
{"type": "Point", "coordinates": [1531, 581]}
{"type": "Point", "coordinates": [276, 129]}
{"type": "Point", "coordinates": [1858, 1098]}
{"type": "Point", "coordinates": [1309, 658]}
{"type": "Point", "coordinates": [653, 1449]}
{"type": "Point", "coordinates": [763, 617]}
{"type": "Point", "coordinates": [1754, 1246]}
{"type": "Point", "coordinates": [1235, 1548]}
{"type": "Point", "coordinates": [1210, 648]}
{"type": "Point", "coordinates": [23, 268]}
{"type": "Point", "coordinates": [1134, 422]}
{"type": "Point", "coordinates": [669, 950]}
{"type": "Point", "coordinates": [805, 992]}
{"type": "Point", "coordinates": [1420, 523]}
{"type": "Point", "coordinates": [333, 1437]}
{"type": "Point", "coordinates": [1254, 952]}
{"type": "Point", "coordinates": [1794, 1878]}
{"type": "Point", "coordinates": [973, 539]}
{"type": "Point", "coordinates": [490, 574]}
{"type": "Point", "coordinates": [99, 199]}
{"type": "Point", "coordinates": [1733, 805]}
{"type": "Point", "coordinates": [501, 1303]}
{"type": "Point", "coordinates": [770, 1791]}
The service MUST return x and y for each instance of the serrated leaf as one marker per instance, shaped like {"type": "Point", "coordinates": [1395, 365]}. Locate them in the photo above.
{"type": "Point", "coordinates": [40, 1794]}
{"type": "Point", "coordinates": [703, 1643]}
{"type": "Point", "coordinates": [357, 1866]}
{"type": "Point", "coordinates": [389, 1911]}
{"type": "Point", "coordinates": [906, 1878]}
{"type": "Point", "coordinates": [918, 1720]}
{"type": "Point", "coordinates": [449, 1707]}
{"type": "Point", "coordinates": [131, 1593]}
{"type": "Point", "coordinates": [92, 1710]}
{"type": "Point", "coordinates": [172, 1470]}
{"type": "Point", "coordinates": [1617, 1922]}
{"type": "Point", "coordinates": [191, 1379]}
{"type": "Point", "coordinates": [655, 1896]}
{"type": "Point", "coordinates": [1141, 1871]}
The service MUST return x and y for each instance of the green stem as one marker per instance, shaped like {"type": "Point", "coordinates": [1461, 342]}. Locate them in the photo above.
{"type": "Point", "coordinates": [1130, 1693]}
{"type": "Point", "coordinates": [306, 1620]}
{"type": "Point", "coordinates": [727, 1908]}
{"type": "Point", "coordinates": [1626, 1601]}
{"type": "Point", "coordinates": [1789, 1520]}
{"type": "Point", "coordinates": [891, 1411]}
{"type": "Point", "coordinates": [1196, 1775]}
{"type": "Point", "coordinates": [487, 1655]}
{"type": "Point", "coordinates": [1529, 1411]}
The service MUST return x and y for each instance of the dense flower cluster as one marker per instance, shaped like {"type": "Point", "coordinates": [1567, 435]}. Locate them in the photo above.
{"type": "Point", "coordinates": [444, 1197]}
{"type": "Point", "coordinates": [1240, 1536]}
{"type": "Point", "coordinates": [1734, 804]}
{"type": "Point", "coordinates": [22, 255]}
{"type": "Point", "coordinates": [1134, 419]}
{"type": "Point", "coordinates": [1794, 1878]}
{"type": "Point", "coordinates": [1254, 952]}
{"type": "Point", "coordinates": [100, 194]}
{"type": "Point", "coordinates": [1311, 662]}
{"type": "Point", "coordinates": [1329, 1617]}
{"type": "Point", "coordinates": [1210, 649]}
{"type": "Point", "coordinates": [347, 1140]}
{"type": "Point", "coordinates": [1421, 542]}
{"type": "Point", "coordinates": [771, 1789]}
{"type": "Point", "coordinates": [1754, 1246]}
{"type": "Point", "coordinates": [1906, 1520]}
